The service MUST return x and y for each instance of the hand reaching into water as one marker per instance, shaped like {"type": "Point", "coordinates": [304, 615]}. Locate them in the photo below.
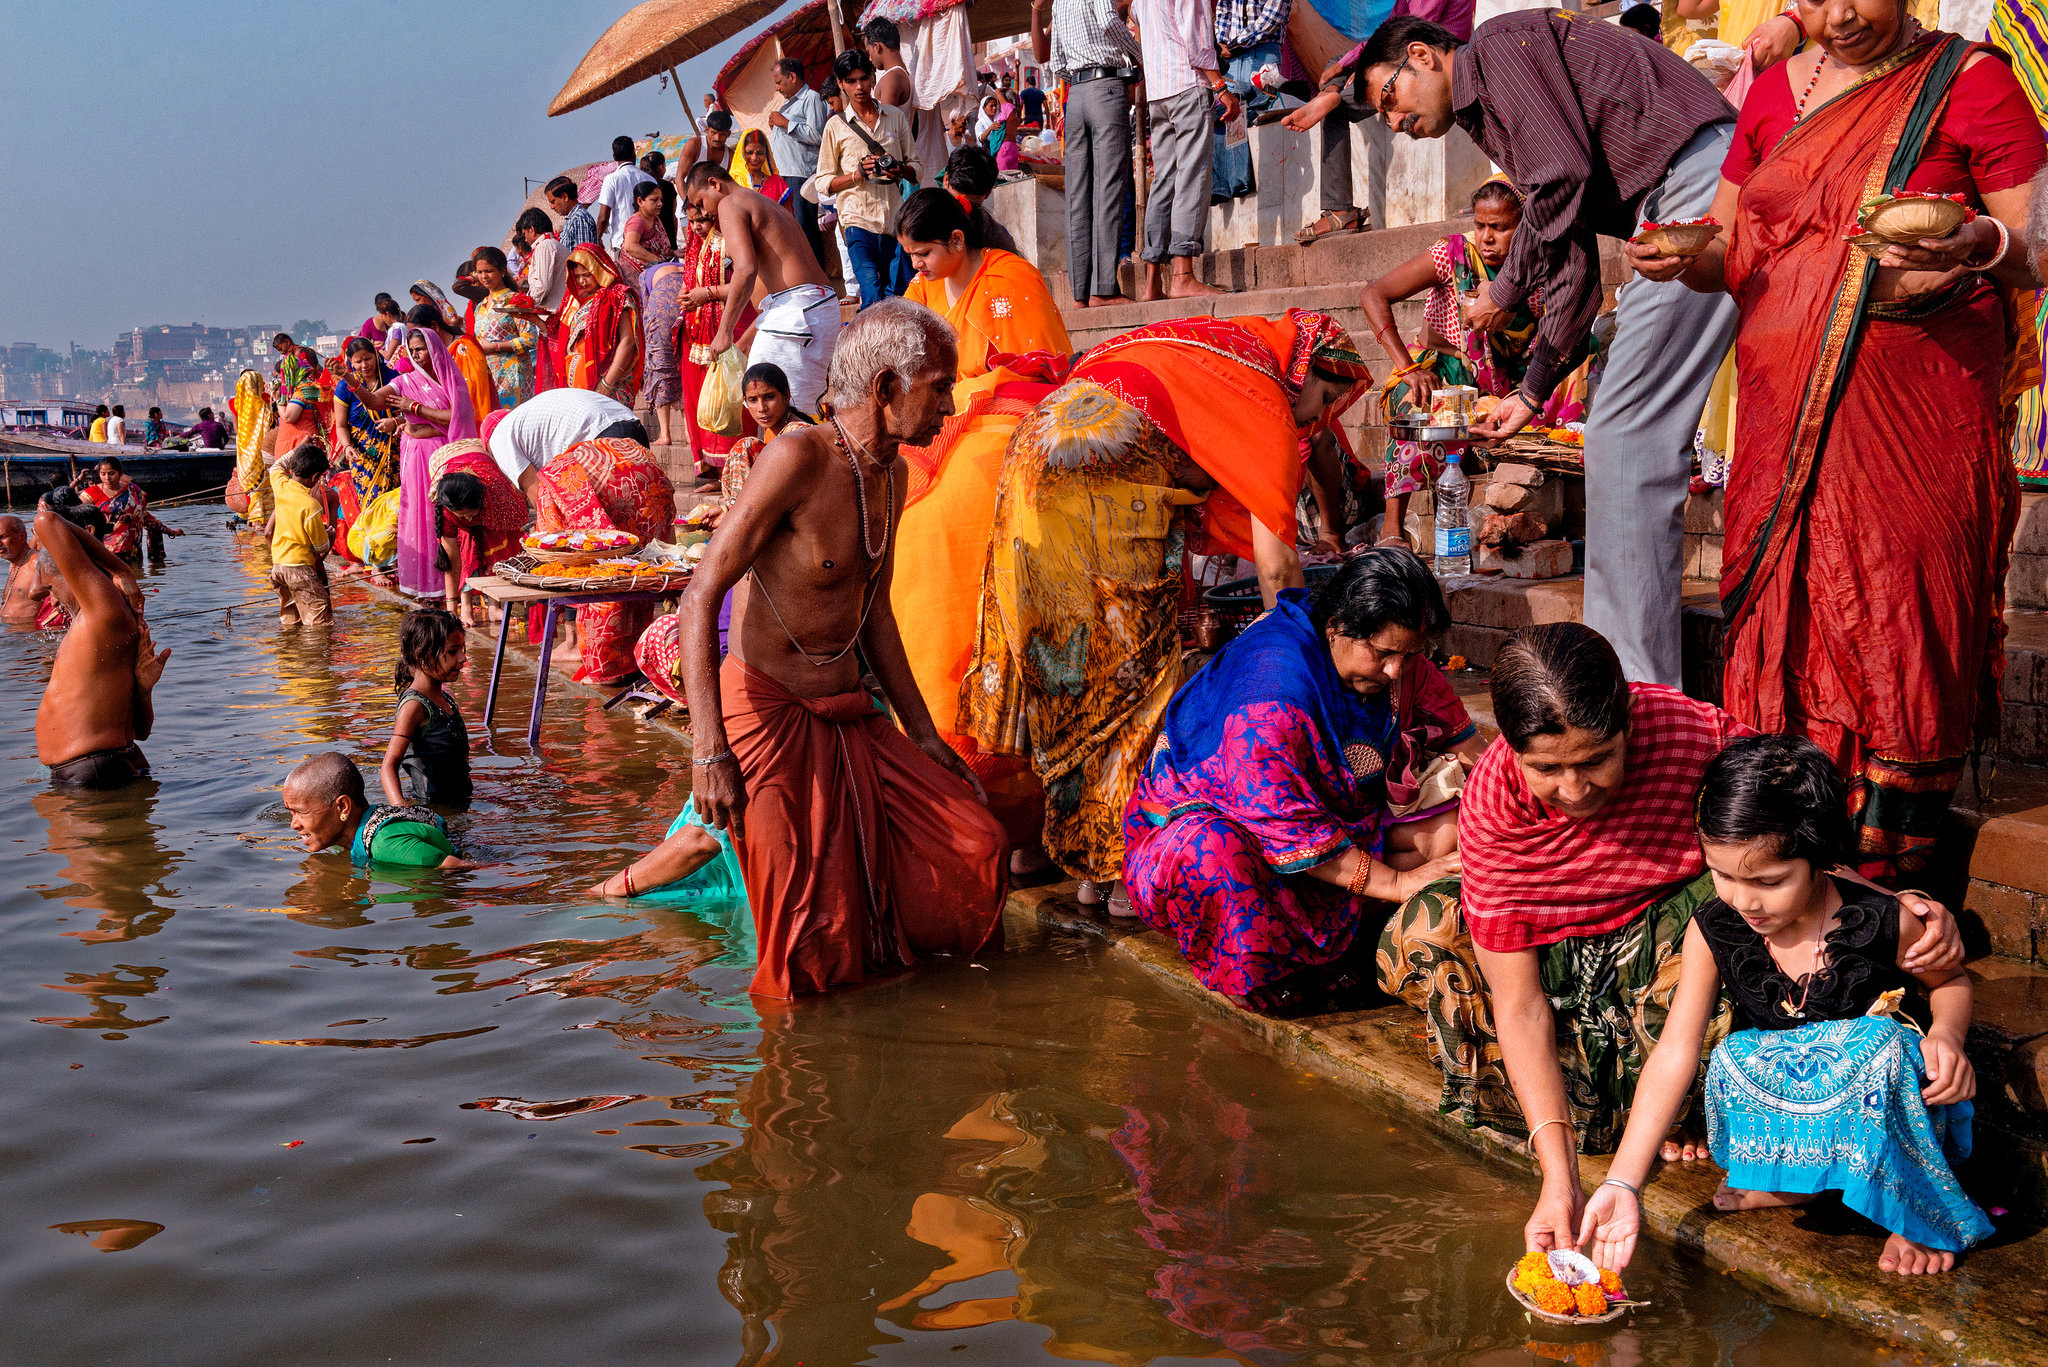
{"type": "Point", "coordinates": [720, 792]}
{"type": "Point", "coordinates": [1612, 1220]}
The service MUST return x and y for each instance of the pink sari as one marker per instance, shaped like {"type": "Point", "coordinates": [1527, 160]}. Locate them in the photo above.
{"type": "Point", "coordinates": [443, 388]}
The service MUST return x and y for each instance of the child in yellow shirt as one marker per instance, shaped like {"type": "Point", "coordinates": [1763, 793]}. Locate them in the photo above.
{"type": "Point", "coordinates": [298, 537]}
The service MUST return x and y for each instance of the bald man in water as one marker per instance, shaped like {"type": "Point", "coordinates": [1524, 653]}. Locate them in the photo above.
{"type": "Point", "coordinates": [97, 705]}
{"type": "Point", "coordinates": [25, 591]}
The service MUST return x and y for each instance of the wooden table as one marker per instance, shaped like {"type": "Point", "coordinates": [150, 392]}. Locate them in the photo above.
{"type": "Point", "coordinates": [507, 597]}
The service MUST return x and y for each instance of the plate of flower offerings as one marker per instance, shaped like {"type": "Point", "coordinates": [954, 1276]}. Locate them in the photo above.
{"type": "Point", "coordinates": [1680, 237]}
{"type": "Point", "coordinates": [578, 547]}
{"type": "Point", "coordinates": [652, 569]}
{"type": "Point", "coordinates": [1903, 217]}
{"type": "Point", "coordinates": [1566, 1288]}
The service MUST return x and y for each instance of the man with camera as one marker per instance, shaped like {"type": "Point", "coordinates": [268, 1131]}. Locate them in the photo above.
{"type": "Point", "coordinates": [864, 158]}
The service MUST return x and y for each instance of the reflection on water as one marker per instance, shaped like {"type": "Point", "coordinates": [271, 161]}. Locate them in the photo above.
{"type": "Point", "coordinates": [540, 1130]}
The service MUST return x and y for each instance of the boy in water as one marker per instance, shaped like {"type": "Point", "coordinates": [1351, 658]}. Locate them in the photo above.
{"type": "Point", "coordinates": [298, 537]}
{"type": "Point", "coordinates": [330, 807]}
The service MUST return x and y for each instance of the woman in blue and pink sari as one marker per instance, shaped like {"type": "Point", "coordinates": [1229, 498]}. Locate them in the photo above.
{"type": "Point", "coordinates": [432, 403]}
{"type": "Point", "coordinates": [1310, 770]}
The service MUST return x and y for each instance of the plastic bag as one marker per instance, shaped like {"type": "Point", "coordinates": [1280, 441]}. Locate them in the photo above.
{"type": "Point", "coordinates": [373, 537]}
{"type": "Point", "coordinates": [718, 404]}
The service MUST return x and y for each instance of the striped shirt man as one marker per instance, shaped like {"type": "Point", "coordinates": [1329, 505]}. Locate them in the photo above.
{"type": "Point", "coordinates": [1585, 117]}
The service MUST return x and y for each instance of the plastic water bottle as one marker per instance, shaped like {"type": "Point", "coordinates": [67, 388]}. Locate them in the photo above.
{"type": "Point", "coordinates": [1453, 530]}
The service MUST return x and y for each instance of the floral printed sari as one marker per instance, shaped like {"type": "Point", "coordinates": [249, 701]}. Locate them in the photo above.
{"type": "Point", "coordinates": [608, 484]}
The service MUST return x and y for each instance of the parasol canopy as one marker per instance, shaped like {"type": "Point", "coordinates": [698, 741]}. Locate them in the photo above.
{"type": "Point", "coordinates": [650, 38]}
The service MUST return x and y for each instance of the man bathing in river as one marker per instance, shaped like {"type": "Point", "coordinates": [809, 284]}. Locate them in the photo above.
{"type": "Point", "coordinates": [26, 588]}
{"type": "Point", "coordinates": [330, 807]}
{"type": "Point", "coordinates": [97, 705]}
{"type": "Point", "coordinates": [862, 846]}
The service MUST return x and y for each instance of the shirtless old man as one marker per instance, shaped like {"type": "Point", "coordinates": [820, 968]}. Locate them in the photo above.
{"type": "Point", "coordinates": [771, 261]}
{"type": "Point", "coordinates": [97, 705]}
{"type": "Point", "coordinates": [862, 846]}
{"type": "Point", "coordinates": [25, 591]}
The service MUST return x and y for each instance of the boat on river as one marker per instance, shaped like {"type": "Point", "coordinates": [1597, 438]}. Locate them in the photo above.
{"type": "Point", "coordinates": [32, 461]}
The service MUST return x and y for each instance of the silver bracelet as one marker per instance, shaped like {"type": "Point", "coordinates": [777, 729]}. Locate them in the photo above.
{"type": "Point", "coordinates": [1617, 1182]}
{"type": "Point", "coordinates": [715, 759]}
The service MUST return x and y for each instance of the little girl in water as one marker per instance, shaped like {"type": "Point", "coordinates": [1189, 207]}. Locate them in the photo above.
{"type": "Point", "coordinates": [1811, 1094]}
{"type": "Point", "coordinates": [429, 740]}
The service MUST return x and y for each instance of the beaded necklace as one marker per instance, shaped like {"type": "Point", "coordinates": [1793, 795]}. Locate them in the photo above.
{"type": "Point", "coordinates": [1799, 109]}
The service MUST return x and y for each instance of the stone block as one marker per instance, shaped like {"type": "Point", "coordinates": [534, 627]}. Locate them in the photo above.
{"type": "Point", "coordinates": [2023, 733]}
{"type": "Point", "coordinates": [1703, 513]}
{"type": "Point", "coordinates": [1543, 560]}
{"type": "Point", "coordinates": [1477, 644]}
{"type": "Point", "coordinates": [2026, 1076]}
{"type": "Point", "coordinates": [2031, 536]}
{"type": "Point", "coordinates": [1514, 472]}
{"type": "Point", "coordinates": [2005, 916]}
{"type": "Point", "coordinates": [2011, 851]}
{"type": "Point", "coordinates": [2011, 1010]}
{"type": "Point", "coordinates": [1507, 606]}
{"type": "Point", "coordinates": [2026, 582]}
{"type": "Point", "coordinates": [2026, 675]}
{"type": "Point", "coordinates": [1709, 563]}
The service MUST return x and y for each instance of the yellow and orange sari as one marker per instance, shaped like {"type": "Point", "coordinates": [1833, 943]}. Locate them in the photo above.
{"type": "Point", "coordinates": [1006, 311]}
{"type": "Point", "coordinates": [1077, 644]}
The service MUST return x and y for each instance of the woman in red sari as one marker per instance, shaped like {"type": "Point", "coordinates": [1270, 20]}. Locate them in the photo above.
{"type": "Point", "coordinates": [601, 322]}
{"type": "Point", "coordinates": [1870, 498]}
{"type": "Point", "coordinates": [607, 484]}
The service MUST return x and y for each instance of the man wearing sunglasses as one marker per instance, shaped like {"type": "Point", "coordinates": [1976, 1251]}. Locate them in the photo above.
{"type": "Point", "coordinates": [1601, 132]}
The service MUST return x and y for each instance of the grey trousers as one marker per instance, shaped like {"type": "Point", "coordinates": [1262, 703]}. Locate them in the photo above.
{"type": "Point", "coordinates": [1335, 134]}
{"type": "Point", "coordinates": [1668, 344]}
{"type": "Point", "coordinates": [1178, 207]}
{"type": "Point", "coordinates": [1098, 173]}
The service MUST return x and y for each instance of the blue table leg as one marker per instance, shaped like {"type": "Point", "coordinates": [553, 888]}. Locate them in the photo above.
{"type": "Point", "coordinates": [540, 683]}
{"type": "Point", "coordinates": [497, 664]}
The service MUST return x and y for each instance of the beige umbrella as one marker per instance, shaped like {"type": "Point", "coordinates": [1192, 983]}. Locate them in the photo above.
{"type": "Point", "coordinates": [651, 38]}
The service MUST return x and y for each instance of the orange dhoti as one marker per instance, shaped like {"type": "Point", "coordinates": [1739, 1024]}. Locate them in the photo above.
{"type": "Point", "coordinates": [860, 854]}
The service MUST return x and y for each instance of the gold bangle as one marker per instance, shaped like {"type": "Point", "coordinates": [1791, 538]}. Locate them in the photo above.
{"type": "Point", "coordinates": [1530, 1143]}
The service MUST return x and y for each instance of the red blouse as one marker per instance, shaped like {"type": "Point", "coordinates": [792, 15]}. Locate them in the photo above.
{"type": "Point", "coordinates": [1986, 140]}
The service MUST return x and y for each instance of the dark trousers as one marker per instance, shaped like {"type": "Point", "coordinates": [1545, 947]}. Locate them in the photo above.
{"type": "Point", "coordinates": [1335, 132]}
{"type": "Point", "coordinates": [878, 263]}
{"type": "Point", "coordinates": [807, 219]}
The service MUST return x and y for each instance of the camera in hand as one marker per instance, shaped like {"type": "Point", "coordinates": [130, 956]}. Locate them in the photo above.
{"type": "Point", "coordinates": [882, 166]}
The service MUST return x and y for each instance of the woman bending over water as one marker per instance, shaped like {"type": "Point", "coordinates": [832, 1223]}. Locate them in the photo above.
{"type": "Point", "coordinates": [1546, 971]}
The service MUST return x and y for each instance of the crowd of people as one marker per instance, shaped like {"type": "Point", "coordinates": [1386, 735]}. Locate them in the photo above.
{"type": "Point", "coordinates": [935, 647]}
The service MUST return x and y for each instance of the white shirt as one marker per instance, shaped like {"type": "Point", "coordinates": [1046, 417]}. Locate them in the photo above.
{"type": "Point", "coordinates": [548, 424]}
{"type": "Point", "coordinates": [1177, 38]}
{"type": "Point", "coordinates": [546, 278]}
{"type": "Point", "coordinates": [117, 430]}
{"type": "Point", "coordinates": [617, 195]}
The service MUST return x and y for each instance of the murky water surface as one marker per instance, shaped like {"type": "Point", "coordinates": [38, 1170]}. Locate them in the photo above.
{"type": "Point", "coordinates": [262, 1109]}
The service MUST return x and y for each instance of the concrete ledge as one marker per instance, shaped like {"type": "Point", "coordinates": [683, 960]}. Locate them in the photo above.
{"type": "Point", "coordinates": [1992, 1309]}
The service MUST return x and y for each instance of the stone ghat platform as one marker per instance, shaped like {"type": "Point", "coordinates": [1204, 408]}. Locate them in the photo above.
{"type": "Point", "coordinates": [1992, 1309]}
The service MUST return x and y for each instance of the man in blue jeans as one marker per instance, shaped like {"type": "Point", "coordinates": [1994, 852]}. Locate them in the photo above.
{"type": "Point", "coordinates": [855, 164]}
{"type": "Point", "coordinates": [1248, 34]}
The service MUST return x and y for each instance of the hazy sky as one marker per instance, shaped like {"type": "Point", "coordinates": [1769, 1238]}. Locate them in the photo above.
{"type": "Point", "coordinates": [179, 161]}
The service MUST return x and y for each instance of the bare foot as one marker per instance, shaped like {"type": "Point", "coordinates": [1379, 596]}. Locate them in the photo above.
{"type": "Point", "coordinates": [1735, 1198]}
{"type": "Point", "coordinates": [1908, 1259]}
{"type": "Point", "coordinates": [1682, 1148]}
{"type": "Point", "coordinates": [1105, 301]}
{"type": "Point", "coordinates": [1119, 901]}
{"type": "Point", "coordinates": [1028, 861]}
{"type": "Point", "coordinates": [1089, 893]}
{"type": "Point", "coordinates": [1187, 287]}
{"type": "Point", "coordinates": [605, 888]}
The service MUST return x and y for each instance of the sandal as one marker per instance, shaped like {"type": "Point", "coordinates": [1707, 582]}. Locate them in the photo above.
{"type": "Point", "coordinates": [1332, 223]}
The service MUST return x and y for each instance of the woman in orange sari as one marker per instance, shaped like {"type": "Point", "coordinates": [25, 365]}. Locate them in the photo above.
{"type": "Point", "coordinates": [998, 305]}
{"type": "Point", "coordinates": [607, 484]}
{"type": "Point", "coordinates": [1870, 499]}
{"type": "Point", "coordinates": [601, 321]}
{"type": "Point", "coordinates": [1174, 438]}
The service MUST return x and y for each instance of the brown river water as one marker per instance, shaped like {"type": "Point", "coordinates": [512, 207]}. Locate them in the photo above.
{"type": "Point", "coordinates": [263, 1109]}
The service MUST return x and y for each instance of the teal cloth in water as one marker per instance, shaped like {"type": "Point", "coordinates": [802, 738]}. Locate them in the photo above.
{"type": "Point", "coordinates": [717, 881]}
{"type": "Point", "coordinates": [1835, 1106]}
